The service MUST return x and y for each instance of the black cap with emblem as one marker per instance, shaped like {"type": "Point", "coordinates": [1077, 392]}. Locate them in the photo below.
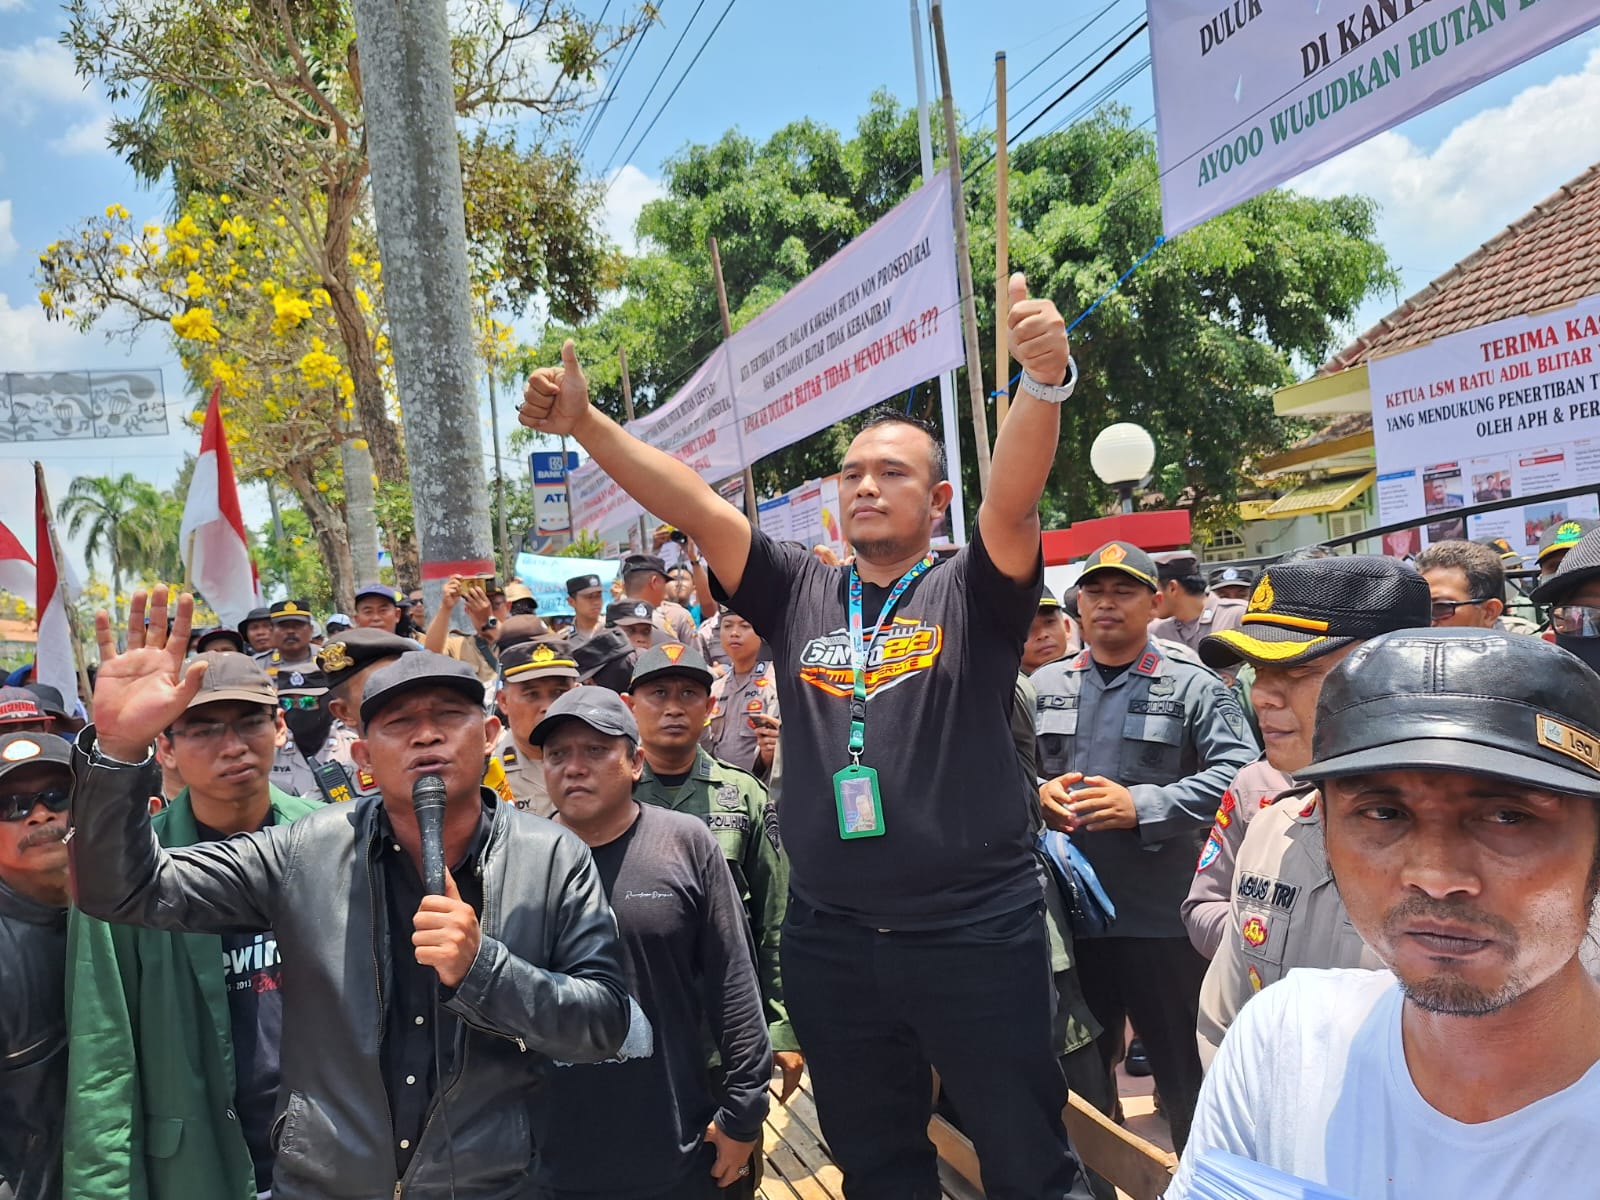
{"type": "Point", "coordinates": [1303, 610]}
{"type": "Point", "coordinates": [357, 649]}
{"type": "Point", "coordinates": [291, 610]}
{"type": "Point", "coordinates": [1478, 701]}
{"type": "Point", "coordinates": [413, 672]}
{"type": "Point", "coordinates": [636, 564]}
{"type": "Point", "coordinates": [1125, 558]}
{"type": "Point", "coordinates": [673, 658]}
{"type": "Point", "coordinates": [1231, 577]}
{"type": "Point", "coordinates": [582, 583]}
{"type": "Point", "coordinates": [630, 612]}
{"type": "Point", "coordinates": [538, 658]}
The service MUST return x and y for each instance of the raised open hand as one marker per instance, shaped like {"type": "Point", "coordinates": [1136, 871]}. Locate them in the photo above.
{"type": "Point", "coordinates": [556, 399]}
{"type": "Point", "coordinates": [145, 688]}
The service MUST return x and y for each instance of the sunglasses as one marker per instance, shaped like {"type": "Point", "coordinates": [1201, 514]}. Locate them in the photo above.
{"type": "Point", "coordinates": [1576, 620]}
{"type": "Point", "coordinates": [1443, 610]}
{"type": "Point", "coordinates": [304, 703]}
{"type": "Point", "coordinates": [18, 805]}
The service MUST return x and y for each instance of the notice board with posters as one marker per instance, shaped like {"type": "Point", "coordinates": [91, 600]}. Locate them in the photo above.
{"type": "Point", "coordinates": [1505, 410]}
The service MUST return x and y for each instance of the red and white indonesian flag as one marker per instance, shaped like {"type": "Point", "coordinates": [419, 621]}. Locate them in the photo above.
{"type": "Point", "coordinates": [214, 547]}
{"type": "Point", "coordinates": [54, 662]}
{"type": "Point", "coordinates": [17, 574]}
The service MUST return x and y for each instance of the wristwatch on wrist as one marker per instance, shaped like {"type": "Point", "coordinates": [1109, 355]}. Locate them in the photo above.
{"type": "Point", "coordinates": [1048, 393]}
{"type": "Point", "coordinates": [98, 759]}
{"type": "Point", "coordinates": [491, 623]}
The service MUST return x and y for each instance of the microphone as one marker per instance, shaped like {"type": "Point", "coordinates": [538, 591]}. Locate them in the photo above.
{"type": "Point", "coordinates": [427, 801]}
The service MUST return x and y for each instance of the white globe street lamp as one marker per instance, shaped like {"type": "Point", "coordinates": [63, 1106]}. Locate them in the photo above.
{"type": "Point", "coordinates": [1121, 456]}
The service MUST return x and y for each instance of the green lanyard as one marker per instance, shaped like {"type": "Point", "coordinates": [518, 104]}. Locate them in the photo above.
{"type": "Point", "coordinates": [861, 648]}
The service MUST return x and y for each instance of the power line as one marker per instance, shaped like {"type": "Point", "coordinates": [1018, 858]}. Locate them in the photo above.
{"type": "Point", "coordinates": [651, 90]}
{"type": "Point", "coordinates": [1023, 78]}
{"type": "Point", "coordinates": [593, 124]}
{"type": "Point", "coordinates": [631, 153]}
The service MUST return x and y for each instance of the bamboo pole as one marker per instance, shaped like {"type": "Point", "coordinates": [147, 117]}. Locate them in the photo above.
{"type": "Point", "coordinates": [969, 308]}
{"type": "Point", "coordinates": [627, 405]}
{"type": "Point", "coordinates": [1002, 248]}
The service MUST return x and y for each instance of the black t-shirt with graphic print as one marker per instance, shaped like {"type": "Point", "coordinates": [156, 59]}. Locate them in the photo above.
{"type": "Point", "coordinates": [957, 810]}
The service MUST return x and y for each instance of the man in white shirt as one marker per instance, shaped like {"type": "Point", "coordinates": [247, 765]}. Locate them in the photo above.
{"type": "Point", "coordinates": [1460, 770]}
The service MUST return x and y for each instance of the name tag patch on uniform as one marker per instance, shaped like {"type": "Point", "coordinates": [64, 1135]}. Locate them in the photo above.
{"type": "Point", "coordinates": [1048, 702]}
{"type": "Point", "coordinates": [1272, 892]}
{"type": "Point", "coordinates": [1254, 931]}
{"type": "Point", "coordinates": [1157, 708]}
{"type": "Point", "coordinates": [737, 822]}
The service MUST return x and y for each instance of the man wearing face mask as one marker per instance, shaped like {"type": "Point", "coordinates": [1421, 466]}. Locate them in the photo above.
{"type": "Point", "coordinates": [315, 759]}
{"type": "Point", "coordinates": [1573, 595]}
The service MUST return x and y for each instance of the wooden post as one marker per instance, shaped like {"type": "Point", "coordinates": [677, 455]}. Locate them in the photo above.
{"type": "Point", "coordinates": [627, 406]}
{"type": "Point", "coordinates": [750, 510]}
{"type": "Point", "coordinates": [969, 308]}
{"type": "Point", "coordinates": [1002, 248]}
{"type": "Point", "coordinates": [85, 690]}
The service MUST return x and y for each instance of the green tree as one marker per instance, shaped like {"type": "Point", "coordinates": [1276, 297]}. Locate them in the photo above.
{"type": "Point", "coordinates": [116, 517]}
{"type": "Point", "coordinates": [1192, 346]}
{"type": "Point", "coordinates": [294, 560]}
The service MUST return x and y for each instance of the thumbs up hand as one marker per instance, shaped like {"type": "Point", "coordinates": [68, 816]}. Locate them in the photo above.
{"type": "Point", "coordinates": [1038, 335]}
{"type": "Point", "coordinates": [556, 399]}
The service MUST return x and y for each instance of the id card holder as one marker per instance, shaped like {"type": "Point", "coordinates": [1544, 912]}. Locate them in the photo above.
{"type": "Point", "coordinates": [855, 794]}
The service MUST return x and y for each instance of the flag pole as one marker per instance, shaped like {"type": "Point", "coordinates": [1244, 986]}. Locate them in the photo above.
{"type": "Point", "coordinates": [85, 689]}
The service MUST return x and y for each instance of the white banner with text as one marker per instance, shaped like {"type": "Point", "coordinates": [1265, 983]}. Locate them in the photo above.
{"type": "Point", "coordinates": [1250, 93]}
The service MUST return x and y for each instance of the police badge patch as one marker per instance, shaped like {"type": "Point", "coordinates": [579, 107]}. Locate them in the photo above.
{"type": "Point", "coordinates": [727, 796]}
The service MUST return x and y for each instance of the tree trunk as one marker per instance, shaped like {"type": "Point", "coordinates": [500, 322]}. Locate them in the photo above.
{"type": "Point", "coordinates": [414, 153]}
{"type": "Point", "coordinates": [329, 529]}
{"type": "Point", "coordinates": [360, 518]}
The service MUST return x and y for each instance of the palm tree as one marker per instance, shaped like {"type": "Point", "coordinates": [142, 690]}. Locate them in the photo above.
{"type": "Point", "coordinates": [116, 517]}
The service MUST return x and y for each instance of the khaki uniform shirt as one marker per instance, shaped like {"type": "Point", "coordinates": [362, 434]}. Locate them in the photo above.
{"type": "Point", "coordinates": [744, 821]}
{"type": "Point", "coordinates": [464, 648]}
{"type": "Point", "coordinates": [676, 620]}
{"type": "Point", "coordinates": [710, 640]}
{"type": "Point", "coordinates": [1205, 910]}
{"type": "Point", "coordinates": [1284, 912]}
{"type": "Point", "coordinates": [1217, 615]}
{"type": "Point", "coordinates": [735, 699]}
{"type": "Point", "coordinates": [576, 636]}
{"type": "Point", "coordinates": [525, 777]}
{"type": "Point", "coordinates": [292, 772]}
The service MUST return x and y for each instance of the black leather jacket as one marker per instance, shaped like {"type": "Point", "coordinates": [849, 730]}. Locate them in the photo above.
{"type": "Point", "coordinates": [547, 982]}
{"type": "Point", "coordinates": [33, 1044]}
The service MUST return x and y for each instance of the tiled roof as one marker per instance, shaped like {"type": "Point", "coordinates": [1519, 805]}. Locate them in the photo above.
{"type": "Point", "coordinates": [1546, 259]}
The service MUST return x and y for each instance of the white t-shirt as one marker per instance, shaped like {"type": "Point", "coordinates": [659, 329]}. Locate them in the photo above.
{"type": "Point", "coordinates": [1312, 1079]}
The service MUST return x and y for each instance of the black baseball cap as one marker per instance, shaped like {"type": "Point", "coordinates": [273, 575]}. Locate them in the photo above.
{"type": "Point", "coordinates": [1178, 564]}
{"type": "Point", "coordinates": [1231, 577]}
{"type": "Point", "coordinates": [1580, 566]}
{"type": "Point", "coordinates": [255, 614]}
{"type": "Point", "coordinates": [582, 583]}
{"type": "Point", "coordinates": [538, 658]}
{"type": "Point", "coordinates": [595, 654]}
{"type": "Point", "coordinates": [411, 672]}
{"type": "Point", "coordinates": [1478, 701]}
{"type": "Point", "coordinates": [1047, 599]}
{"type": "Point", "coordinates": [302, 681]}
{"type": "Point", "coordinates": [630, 612]}
{"type": "Point", "coordinates": [25, 749]}
{"type": "Point", "coordinates": [291, 610]}
{"type": "Point", "coordinates": [220, 633]}
{"type": "Point", "coordinates": [599, 708]}
{"type": "Point", "coordinates": [1564, 536]}
{"type": "Point", "coordinates": [50, 699]}
{"type": "Point", "coordinates": [673, 658]}
{"type": "Point", "coordinates": [1302, 610]}
{"type": "Point", "coordinates": [634, 564]}
{"type": "Point", "coordinates": [19, 704]}
{"type": "Point", "coordinates": [1124, 557]}
{"type": "Point", "coordinates": [358, 649]}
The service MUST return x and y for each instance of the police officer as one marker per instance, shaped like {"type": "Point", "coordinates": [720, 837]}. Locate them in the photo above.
{"type": "Point", "coordinates": [1231, 583]}
{"type": "Point", "coordinates": [636, 618]}
{"type": "Point", "coordinates": [1138, 740]}
{"type": "Point", "coordinates": [1186, 612]}
{"type": "Point", "coordinates": [258, 634]}
{"type": "Point", "coordinates": [671, 697]}
{"type": "Point", "coordinates": [588, 604]}
{"type": "Point", "coordinates": [1303, 618]}
{"type": "Point", "coordinates": [314, 761]}
{"type": "Point", "coordinates": [535, 673]}
{"type": "Point", "coordinates": [743, 729]}
{"type": "Point", "coordinates": [1050, 637]}
{"type": "Point", "coordinates": [644, 577]}
{"type": "Point", "coordinates": [291, 638]}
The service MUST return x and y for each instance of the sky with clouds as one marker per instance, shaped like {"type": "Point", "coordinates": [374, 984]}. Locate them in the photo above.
{"type": "Point", "coordinates": [1446, 180]}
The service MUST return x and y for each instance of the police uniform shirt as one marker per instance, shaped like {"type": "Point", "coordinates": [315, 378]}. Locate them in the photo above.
{"type": "Point", "coordinates": [744, 822]}
{"type": "Point", "coordinates": [675, 619]}
{"type": "Point", "coordinates": [575, 636]}
{"type": "Point", "coordinates": [293, 773]}
{"type": "Point", "coordinates": [1284, 912]}
{"type": "Point", "coordinates": [525, 777]}
{"type": "Point", "coordinates": [1217, 615]}
{"type": "Point", "coordinates": [735, 701]}
{"type": "Point", "coordinates": [1167, 729]}
{"type": "Point", "coordinates": [710, 641]}
{"type": "Point", "coordinates": [1205, 910]}
{"type": "Point", "coordinates": [361, 781]}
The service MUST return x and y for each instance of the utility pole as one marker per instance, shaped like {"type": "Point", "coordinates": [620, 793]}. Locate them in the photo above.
{"type": "Point", "coordinates": [750, 509]}
{"type": "Point", "coordinates": [508, 565]}
{"type": "Point", "coordinates": [969, 307]}
{"type": "Point", "coordinates": [422, 238]}
{"type": "Point", "coordinates": [627, 406]}
{"type": "Point", "coordinates": [1002, 248]}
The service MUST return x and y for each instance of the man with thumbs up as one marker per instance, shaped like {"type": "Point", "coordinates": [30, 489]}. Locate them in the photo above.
{"type": "Point", "coordinates": [915, 931]}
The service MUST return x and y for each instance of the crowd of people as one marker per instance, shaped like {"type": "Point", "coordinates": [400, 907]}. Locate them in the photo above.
{"type": "Point", "coordinates": [910, 825]}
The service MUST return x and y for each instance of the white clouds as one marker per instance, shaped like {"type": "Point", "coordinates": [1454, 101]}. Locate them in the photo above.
{"type": "Point", "coordinates": [38, 85]}
{"type": "Point", "coordinates": [34, 344]}
{"type": "Point", "coordinates": [1440, 204]}
{"type": "Point", "coordinates": [86, 137]}
{"type": "Point", "coordinates": [13, 5]}
{"type": "Point", "coordinates": [630, 189]}
{"type": "Point", "coordinates": [8, 241]}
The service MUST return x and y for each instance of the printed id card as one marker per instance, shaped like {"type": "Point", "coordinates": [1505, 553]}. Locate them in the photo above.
{"type": "Point", "coordinates": [855, 791]}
